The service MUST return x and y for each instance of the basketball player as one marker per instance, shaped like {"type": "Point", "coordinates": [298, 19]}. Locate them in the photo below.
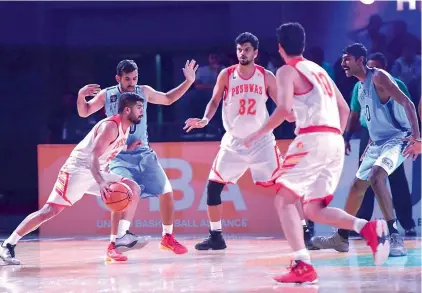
{"type": "Point", "coordinates": [390, 117]}
{"type": "Point", "coordinates": [85, 171]}
{"type": "Point", "coordinates": [313, 163]}
{"type": "Point", "coordinates": [140, 164]}
{"type": "Point", "coordinates": [244, 87]}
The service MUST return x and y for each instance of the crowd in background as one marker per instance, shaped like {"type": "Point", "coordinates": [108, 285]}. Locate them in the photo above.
{"type": "Point", "coordinates": [400, 48]}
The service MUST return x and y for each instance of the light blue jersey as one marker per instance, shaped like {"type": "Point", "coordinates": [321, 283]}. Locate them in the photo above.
{"type": "Point", "coordinates": [387, 125]}
{"type": "Point", "coordinates": [137, 131]}
{"type": "Point", "coordinates": [141, 164]}
{"type": "Point", "coordinates": [383, 120]}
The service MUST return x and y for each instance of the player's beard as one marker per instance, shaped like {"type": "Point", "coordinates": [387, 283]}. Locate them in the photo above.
{"type": "Point", "coordinates": [245, 62]}
{"type": "Point", "coordinates": [129, 89]}
{"type": "Point", "coordinates": [135, 120]}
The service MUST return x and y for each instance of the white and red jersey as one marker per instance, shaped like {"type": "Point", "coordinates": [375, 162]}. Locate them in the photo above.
{"type": "Point", "coordinates": [316, 108]}
{"type": "Point", "coordinates": [80, 156]}
{"type": "Point", "coordinates": [244, 108]}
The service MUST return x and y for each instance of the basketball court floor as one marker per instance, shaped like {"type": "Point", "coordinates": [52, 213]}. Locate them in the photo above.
{"type": "Point", "coordinates": [247, 265]}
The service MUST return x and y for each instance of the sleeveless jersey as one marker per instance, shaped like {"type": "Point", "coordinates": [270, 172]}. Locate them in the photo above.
{"type": "Point", "coordinates": [383, 120]}
{"type": "Point", "coordinates": [317, 107]}
{"type": "Point", "coordinates": [244, 109]}
{"type": "Point", "coordinates": [137, 131]}
{"type": "Point", "coordinates": [80, 155]}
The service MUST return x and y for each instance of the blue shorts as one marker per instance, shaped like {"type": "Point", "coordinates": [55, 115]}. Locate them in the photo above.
{"type": "Point", "coordinates": [388, 155]}
{"type": "Point", "coordinates": [143, 167]}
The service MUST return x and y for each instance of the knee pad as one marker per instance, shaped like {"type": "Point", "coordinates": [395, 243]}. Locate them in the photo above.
{"type": "Point", "coordinates": [214, 190]}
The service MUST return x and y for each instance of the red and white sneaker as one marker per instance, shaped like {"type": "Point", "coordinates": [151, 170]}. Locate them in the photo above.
{"type": "Point", "coordinates": [376, 235]}
{"type": "Point", "coordinates": [298, 272]}
{"type": "Point", "coordinates": [169, 243]}
{"type": "Point", "coordinates": [113, 255]}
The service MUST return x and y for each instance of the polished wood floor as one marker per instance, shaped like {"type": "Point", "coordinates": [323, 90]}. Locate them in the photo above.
{"type": "Point", "coordinates": [246, 266]}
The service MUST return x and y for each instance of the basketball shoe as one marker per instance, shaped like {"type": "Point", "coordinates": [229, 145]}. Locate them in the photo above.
{"type": "Point", "coordinates": [130, 241]}
{"type": "Point", "coordinates": [169, 243]}
{"type": "Point", "coordinates": [113, 255]}
{"type": "Point", "coordinates": [7, 254]}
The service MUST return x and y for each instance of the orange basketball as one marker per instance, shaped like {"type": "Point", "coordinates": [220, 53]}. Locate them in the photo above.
{"type": "Point", "coordinates": [119, 197]}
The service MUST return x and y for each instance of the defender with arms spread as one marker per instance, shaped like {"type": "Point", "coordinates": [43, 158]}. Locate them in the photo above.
{"type": "Point", "coordinates": [140, 164]}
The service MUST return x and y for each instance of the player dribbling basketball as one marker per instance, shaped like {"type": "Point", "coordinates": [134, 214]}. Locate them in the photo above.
{"type": "Point", "coordinates": [86, 171]}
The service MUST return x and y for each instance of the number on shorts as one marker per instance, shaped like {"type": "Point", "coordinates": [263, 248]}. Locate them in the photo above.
{"type": "Point", "coordinates": [324, 82]}
{"type": "Point", "coordinates": [367, 113]}
{"type": "Point", "coordinates": [247, 107]}
{"type": "Point", "coordinates": [132, 129]}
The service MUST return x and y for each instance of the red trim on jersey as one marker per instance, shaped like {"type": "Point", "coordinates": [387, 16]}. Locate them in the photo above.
{"type": "Point", "coordinates": [214, 169]}
{"type": "Point", "coordinates": [325, 200]}
{"type": "Point", "coordinates": [240, 76]}
{"type": "Point", "coordinates": [297, 155]}
{"type": "Point", "coordinates": [63, 180]}
{"type": "Point", "coordinates": [277, 169]}
{"type": "Point", "coordinates": [230, 71]}
{"type": "Point", "coordinates": [116, 119]}
{"type": "Point", "coordinates": [265, 184]}
{"type": "Point", "coordinates": [293, 62]}
{"type": "Point", "coordinates": [262, 69]}
{"type": "Point", "coordinates": [221, 182]}
{"type": "Point", "coordinates": [56, 204]}
{"type": "Point", "coordinates": [319, 128]}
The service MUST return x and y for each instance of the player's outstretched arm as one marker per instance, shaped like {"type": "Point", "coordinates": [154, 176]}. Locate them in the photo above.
{"type": "Point", "coordinates": [285, 91]}
{"type": "Point", "coordinates": [285, 78]}
{"type": "Point", "coordinates": [212, 105]}
{"type": "Point", "coordinates": [107, 133]}
{"type": "Point", "coordinates": [382, 81]}
{"type": "Point", "coordinates": [160, 98]}
{"type": "Point", "coordinates": [87, 108]}
{"type": "Point", "coordinates": [271, 82]}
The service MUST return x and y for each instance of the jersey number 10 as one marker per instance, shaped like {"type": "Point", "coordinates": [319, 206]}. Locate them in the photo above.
{"type": "Point", "coordinates": [324, 82]}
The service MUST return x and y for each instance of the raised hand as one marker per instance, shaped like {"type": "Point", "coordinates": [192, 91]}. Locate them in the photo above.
{"type": "Point", "coordinates": [90, 90]}
{"type": "Point", "coordinates": [190, 70]}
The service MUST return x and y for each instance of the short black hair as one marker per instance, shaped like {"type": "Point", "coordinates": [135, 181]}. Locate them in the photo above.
{"type": "Point", "coordinates": [247, 37]}
{"type": "Point", "coordinates": [380, 58]}
{"type": "Point", "coordinates": [129, 99]}
{"type": "Point", "coordinates": [292, 37]}
{"type": "Point", "coordinates": [126, 66]}
{"type": "Point", "coordinates": [356, 50]}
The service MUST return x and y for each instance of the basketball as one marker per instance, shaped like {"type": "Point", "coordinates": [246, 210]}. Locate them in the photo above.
{"type": "Point", "coordinates": [119, 197]}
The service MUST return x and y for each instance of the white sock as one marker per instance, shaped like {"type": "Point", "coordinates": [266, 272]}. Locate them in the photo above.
{"type": "Point", "coordinates": [302, 255]}
{"type": "Point", "coordinates": [123, 227]}
{"type": "Point", "coordinates": [215, 226]}
{"type": "Point", "coordinates": [13, 239]}
{"type": "Point", "coordinates": [167, 229]}
{"type": "Point", "coordinates": [359, 224]}
{"type": "Point", "coordinates": [304, 223]}
{"type": "Point", "coordinates": [113, 238]}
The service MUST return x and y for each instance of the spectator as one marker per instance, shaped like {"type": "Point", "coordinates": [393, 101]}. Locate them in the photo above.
{"type": "Point", "coordinates": [408, 66]}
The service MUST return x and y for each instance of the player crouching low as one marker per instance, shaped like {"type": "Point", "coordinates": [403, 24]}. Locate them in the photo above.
{"type": "Point", "coordinates": [85, 172]}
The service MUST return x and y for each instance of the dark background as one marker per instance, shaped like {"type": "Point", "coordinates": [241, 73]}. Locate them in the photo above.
{"type": "Point", "coordinates": [51, 49]}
